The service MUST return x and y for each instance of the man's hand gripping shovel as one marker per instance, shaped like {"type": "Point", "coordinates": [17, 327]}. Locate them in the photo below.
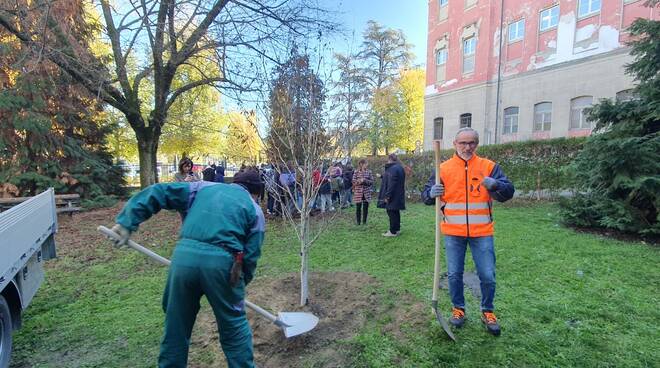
{"type": "Point", "coordinates": [436, 271]}
{"type": "Point", "coordinates": [291, 323]}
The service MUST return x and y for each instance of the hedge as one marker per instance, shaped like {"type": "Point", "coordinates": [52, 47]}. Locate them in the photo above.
{"type": "Point", "coordinates": [531, 165]}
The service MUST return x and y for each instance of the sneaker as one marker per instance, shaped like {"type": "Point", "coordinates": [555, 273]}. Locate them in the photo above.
{"type": "Point", "coordinates": [457, 317]}
{"type": "Point", "coordinates": [489, 319]}
{"type": "Point", "coordinates": [389, 234]}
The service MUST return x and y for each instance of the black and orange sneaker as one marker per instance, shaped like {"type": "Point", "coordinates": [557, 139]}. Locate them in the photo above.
{"type": "Point", "coordinates": [489, 319]}
{"type": "Point", "coordinates": [457, 317]}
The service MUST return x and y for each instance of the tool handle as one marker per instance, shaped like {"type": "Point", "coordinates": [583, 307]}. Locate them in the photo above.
{"type": "Point", "coordinates": [264, 313]}
{"type": "Point", "coordinates": [108, 232]}
{"type": "Point", "coordinates": [438, 215]}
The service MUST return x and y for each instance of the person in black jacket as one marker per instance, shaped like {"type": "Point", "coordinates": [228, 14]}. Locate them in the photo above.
{"type": "Point", "coordinates": [392, 195]}
{"type": "Point", "coordinates": [347, 189]}
{"type": "Point", "coordinates": [219, 174]}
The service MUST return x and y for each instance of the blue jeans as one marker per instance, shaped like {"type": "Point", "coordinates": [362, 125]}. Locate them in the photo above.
{"type": "Point", "coordinates": [483, 254]}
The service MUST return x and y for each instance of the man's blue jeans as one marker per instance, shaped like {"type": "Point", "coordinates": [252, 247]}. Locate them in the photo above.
{"type": "Point", "coordinates": [483, 254]}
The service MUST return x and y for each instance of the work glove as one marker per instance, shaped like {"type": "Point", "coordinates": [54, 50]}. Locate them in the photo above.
{"type": "Point", "coordinates": [124, 235]}
{"type": "Point", "coordinates": [437, 190]}
{"type": "Point", "coordinates": [489, 183]}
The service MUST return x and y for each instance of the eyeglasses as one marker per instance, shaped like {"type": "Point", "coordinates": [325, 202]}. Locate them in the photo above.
{"type": "Point", "coordinates": [472, 143]}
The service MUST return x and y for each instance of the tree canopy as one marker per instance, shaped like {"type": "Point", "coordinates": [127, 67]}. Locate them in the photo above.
{"type": "Point", "coordinates": [53, 132]}
{"type": "Point", "coordinates": [296, 109]}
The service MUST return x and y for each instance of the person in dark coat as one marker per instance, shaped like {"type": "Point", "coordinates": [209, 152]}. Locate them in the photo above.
{"type": "Point", "coordinates": [219, 174]}
{"type": "Point", "coordinates": [392, 195]}
{"type": "Point", "coordinates": [208, 174]}
{"type": "Point", "coordinates": [347, 190]}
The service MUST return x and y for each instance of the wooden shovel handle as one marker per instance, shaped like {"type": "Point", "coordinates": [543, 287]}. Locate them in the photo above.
{"type": "Point", "coordinates": [438, 216]}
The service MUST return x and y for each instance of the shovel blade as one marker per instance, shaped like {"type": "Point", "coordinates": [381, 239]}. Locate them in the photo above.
{"type": "Point", "coordinates": [442, 321]}
{"type": "Point", "coordinates": [296, 323]}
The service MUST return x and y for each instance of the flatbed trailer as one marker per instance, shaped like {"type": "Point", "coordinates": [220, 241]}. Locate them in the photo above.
{"type": "Point", "coordinates": [27, 240]}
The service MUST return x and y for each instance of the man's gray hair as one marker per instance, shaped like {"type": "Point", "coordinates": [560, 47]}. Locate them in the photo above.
{"type": "Point", "coordinates": [467, 129]}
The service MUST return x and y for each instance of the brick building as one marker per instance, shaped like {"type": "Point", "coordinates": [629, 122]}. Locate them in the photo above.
{"type": "Point", "coordinates": [555, 58]}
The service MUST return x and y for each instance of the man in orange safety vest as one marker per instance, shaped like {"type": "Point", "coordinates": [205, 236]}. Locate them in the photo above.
{"type": "Point", "coordinates": [469, 184]}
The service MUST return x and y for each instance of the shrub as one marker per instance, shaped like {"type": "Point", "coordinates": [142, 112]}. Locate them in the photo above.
{"type": "Point", "coordinates": [528, 164]}
{"type": "Point", "coordinates": [618, 170]}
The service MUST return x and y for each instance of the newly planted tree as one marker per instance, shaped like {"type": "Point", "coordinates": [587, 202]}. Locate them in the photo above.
{"type": "Point", "coordinates": [299, 146]}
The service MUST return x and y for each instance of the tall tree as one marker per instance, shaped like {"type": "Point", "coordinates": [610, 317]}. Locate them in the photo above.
{"type": "Point", "coordinates": [617, 171]}
{"type": "Point", "coordinates": [384, 53]}
{"type": "Point", "coordinates": [164, 35]}
{"type": "Point", "coordinates": [53, 133]}
{"type": "Point", "coordinates": [242, 141]}
{"type": "Point", "coordinates": [410, 120]}
{"type": "Point", "coordinates": [349, 97]}
{"type": "Point", "coordinates": [196, 121]}
{"type": "Point", "coordinates": [296, 106]}
{"type": "Point", "coordinates": [384, 118]}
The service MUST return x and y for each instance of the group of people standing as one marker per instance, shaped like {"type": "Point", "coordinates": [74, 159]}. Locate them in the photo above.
{"type": "Point", "coordinates": [211, 173]}
{"type": "Point", "coordinates": [338, 185]}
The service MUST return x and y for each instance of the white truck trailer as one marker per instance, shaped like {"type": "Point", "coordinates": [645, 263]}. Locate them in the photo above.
{"type": "Point", "coordinates": [27, 239]}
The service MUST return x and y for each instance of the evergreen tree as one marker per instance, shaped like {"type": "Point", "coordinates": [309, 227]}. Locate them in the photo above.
{"type": "Point", "coordinates": [618, 170]}
{"type": "Point", "coordinates": [53, 133]}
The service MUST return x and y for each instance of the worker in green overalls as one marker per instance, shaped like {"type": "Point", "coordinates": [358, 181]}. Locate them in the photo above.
{"type": "Point", "coordinates": [216, 255]}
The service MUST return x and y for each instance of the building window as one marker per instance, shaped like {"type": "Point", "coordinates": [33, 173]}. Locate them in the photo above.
{"type": "Point", "coordinates": [466, 121]}
{"type": "Point", "coordinates": [470, 3]}
{"type": "Point", "coordinates": [441, 57]}
{"type": "Point", "coordinates": [625, 95]}
{"type": "Point", "coordinates": [437, 128]}
{"type": "Point", "coordinates": [469, 49]}
{"type": "Point", "coordinates": [542, 116]}
{"type": "Point", "coordinates": [444, 3]}
{"type": "Point", "coordinates": [578, 117]}
{"type": "Point", "coordinates": [588, 7]}
{"type": "Point", "coordinates": [549, 18]}
{"type": "Point", "coordinates": [510, 120]}
{"type": "Point", "coordinates": [517, 30]}
{"type": "Point", "coordinates": [440, 65]}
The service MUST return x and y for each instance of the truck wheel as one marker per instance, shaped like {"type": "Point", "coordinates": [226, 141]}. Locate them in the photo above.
{"type": "Point", "coordinates": [5, 333]}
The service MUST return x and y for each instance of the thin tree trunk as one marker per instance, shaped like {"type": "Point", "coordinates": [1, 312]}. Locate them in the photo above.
{"type": "Point", "coordinates": [304, 264]}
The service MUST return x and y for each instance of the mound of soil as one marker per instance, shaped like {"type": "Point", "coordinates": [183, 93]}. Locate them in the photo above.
{"type": "Point", "coordinates": [342, 302]}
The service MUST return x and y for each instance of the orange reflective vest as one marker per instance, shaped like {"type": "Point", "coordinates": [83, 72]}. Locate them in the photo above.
{"type": "Point", "coordinates": [468, 206]}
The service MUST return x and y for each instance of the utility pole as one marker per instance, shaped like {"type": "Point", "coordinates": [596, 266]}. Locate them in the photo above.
{"type": "Point", "coordinates": [499, 74]}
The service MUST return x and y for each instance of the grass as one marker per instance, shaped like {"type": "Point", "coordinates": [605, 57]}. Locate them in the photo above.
{"type": "Point", "coordinates": [564, 299]}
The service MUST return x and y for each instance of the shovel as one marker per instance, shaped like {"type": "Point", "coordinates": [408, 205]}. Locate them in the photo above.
{"type": "Point", "coordinates": [436, 270]}
{"type": "Point", "coordinates": [291, 323]}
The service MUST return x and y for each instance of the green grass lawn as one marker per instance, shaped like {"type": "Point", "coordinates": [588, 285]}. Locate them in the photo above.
{"type": "Point", "coordinates": [564, 299]}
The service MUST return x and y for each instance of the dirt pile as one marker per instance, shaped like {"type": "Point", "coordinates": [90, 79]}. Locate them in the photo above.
{"type": "Point", "coordinates": [341, 300]}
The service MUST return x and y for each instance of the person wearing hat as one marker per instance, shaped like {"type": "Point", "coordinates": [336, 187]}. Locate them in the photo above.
{"type": "Point", "coordinates": [216, 255]}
